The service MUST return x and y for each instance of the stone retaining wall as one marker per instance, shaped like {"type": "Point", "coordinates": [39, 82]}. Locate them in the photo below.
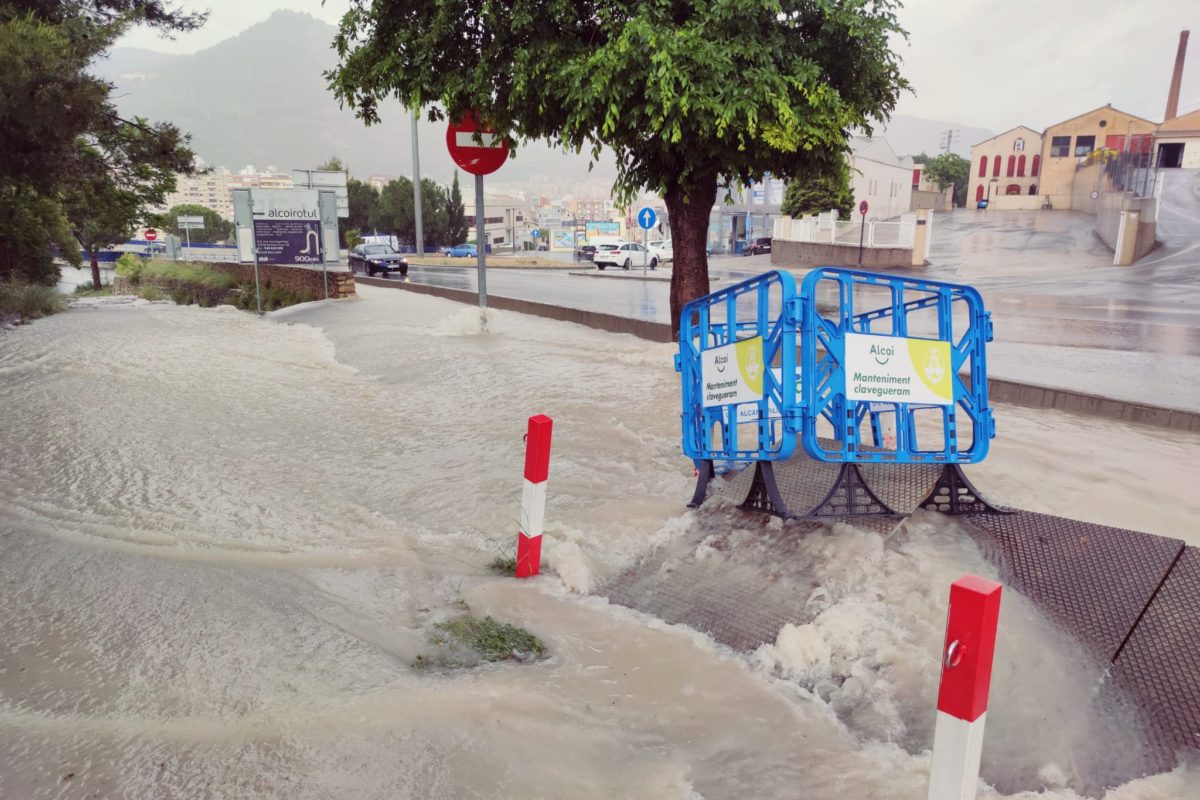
{"type": "Point", "coordinates": [295, 279]}
{"type": "Point", "coordinates": [793, 255]}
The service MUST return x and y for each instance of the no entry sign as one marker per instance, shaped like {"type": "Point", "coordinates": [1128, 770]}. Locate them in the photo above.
{"type": "Point", "coordinates": [481, 157]}
{"type": "Point", "coordinates": [151, 234]}
{"type": "Point", "coordinates": [862, 208]}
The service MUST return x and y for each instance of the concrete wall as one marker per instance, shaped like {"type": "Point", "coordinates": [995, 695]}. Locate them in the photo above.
{"type": "Point", "coordinates": [1087, 180]}
{"type": "Point", "coordinates": [793, 255]}
{"type": "Point", "coordinates": [1191, 149]}
{"type": "Point", "coordinates": [1108, 220]}
{"type": "Point", "coordinates": [1015, 202]}
{"type": "Point", "coordinates": [932, 200]}
{"type": "Point", "coordinates": [1058, 173]}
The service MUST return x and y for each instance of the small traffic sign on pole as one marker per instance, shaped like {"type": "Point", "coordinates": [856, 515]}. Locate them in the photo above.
{"type": "Point", "coordinates": [481, 152]}
{"type": "Point", "coordinates": [151, 234]}
{"type": "Point", "coordinates": [862, 210]}
{"type": "Point", "coordinates": [646, 218]}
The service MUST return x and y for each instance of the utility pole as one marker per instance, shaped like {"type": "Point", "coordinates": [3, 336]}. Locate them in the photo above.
{"type": "Point", "coordinates": [416, 114]}
{"type": "Point", "coordinates": [949, 137]}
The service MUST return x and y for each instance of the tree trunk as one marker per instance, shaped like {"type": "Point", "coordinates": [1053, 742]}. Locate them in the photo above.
{"type": "Point", "coordinates": [689, 207]}
{"type": "Point", "coordinates": [94, 253]}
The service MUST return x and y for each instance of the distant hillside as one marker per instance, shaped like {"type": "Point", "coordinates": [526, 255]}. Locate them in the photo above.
{"type": "Point", "coordinates": [910, 136]}
{"type": "Point", "coordinates": [260, 98]}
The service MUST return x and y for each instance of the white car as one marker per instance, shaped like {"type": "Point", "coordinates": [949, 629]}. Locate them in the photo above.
{"type": "Point", "coordinates": [624, 256]}
{"type": "Point", "coordinates": [661, 249]}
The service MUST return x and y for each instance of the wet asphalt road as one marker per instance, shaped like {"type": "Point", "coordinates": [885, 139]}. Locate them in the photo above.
{"type": "Point", "coordinates": [1064, 315]}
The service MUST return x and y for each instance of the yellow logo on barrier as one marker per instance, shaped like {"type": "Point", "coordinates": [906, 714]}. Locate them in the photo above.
{"type": "Point", "coordinates": [931, 362]}
{"type": "Point", "coordinates": [750, 363]}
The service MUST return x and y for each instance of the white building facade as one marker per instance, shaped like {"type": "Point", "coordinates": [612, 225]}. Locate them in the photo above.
{"type": "Point", "coordinates": [880, 177]}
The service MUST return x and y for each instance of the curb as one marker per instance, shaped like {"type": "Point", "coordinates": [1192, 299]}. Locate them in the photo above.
{"type": "Point", "coordinates": [1026, 395]}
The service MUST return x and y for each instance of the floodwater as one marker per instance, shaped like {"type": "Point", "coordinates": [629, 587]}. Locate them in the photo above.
{"type": "Point", "coordinates": [226, 539]}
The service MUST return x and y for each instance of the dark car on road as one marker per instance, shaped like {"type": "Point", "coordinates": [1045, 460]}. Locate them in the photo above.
{"type": "Point", "coordinates": [585, 253]}
{"type": "Point", "coordinates": [758, 247]}
{"type": "Point", "coordinates": [381, 258]}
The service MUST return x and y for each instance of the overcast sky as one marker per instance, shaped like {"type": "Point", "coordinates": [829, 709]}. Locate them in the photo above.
{"type": "Point", "coordinates": [983, 63]}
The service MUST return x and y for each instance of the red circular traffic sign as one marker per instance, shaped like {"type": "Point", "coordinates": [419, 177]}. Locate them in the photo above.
{"type": "Point", "coordinates": [478, 158]}
{"type": "Point", "coordinates": [862, 208]}
{"type": "Point", "coordinates": [151, 234]}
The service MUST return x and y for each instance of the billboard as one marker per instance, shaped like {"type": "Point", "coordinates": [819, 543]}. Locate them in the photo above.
{"type": "Point", "coordinates": [594, 229]}
{"type": "Point", "coordinates": [287, 226]}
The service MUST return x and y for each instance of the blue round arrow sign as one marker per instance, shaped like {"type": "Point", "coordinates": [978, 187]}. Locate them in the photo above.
{"type": "Point", "coordinates": [647, 218]}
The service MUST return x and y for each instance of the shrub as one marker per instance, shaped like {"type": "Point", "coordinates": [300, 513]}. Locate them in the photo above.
{"type": "Point", "coordinates": [29, 301]}
{"type": "Point", "coordinates": [86, 290]}
{"type": "Point", "coordinates": [151, 293]}
{"type": "Point", "coordinates": [188, 272]}
{"type": "Point", "coordinates": [130, 265]}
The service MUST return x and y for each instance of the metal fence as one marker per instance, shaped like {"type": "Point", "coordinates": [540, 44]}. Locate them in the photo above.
{"type": "Point", "coordinates": [1124, 171]}
{"type": "Point", "coordinates": [826, 228]}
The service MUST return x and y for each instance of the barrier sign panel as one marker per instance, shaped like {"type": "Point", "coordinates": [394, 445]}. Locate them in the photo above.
{"type": "Point", "coordinates": [898, 370]}
{"type": "Point", "coordinates": [287, 226]}
{"type": "Point", "coordinates": [733, 373]}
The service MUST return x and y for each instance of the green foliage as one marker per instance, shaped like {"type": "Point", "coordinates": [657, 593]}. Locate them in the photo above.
{"type": "Point", "coordinates": [435, 219]}
{"type": "Point", "coordinates": [151, 293]}
{"type": "Point", "coordinates": [86, 290]}
{"type": "Point", "coordinates": [273, 297]}
{"type": "Point", "coordinates": [353, 238]}
{"type": "Point", "coordinates": [456, 215]}
{"type": "Point", "coordinates": [466, 641]}
{"type": "Point", "coordinates": [394, 211]}
{"type": "Point", "coordinates": [70, 167]}
{"type": "Point", "coordinates": [129, 265]}
{"type": "Point", "coordinates": [685, 94]}
{"type": "Point", "coordinates": [950, 169]}
{"type": "Point", "coordinates": [363, 200]}
{"type": "Point", "coordinates": [216, 228]}
{"type": "Point", "coordinates": [29, 301]}
{"type": "Point", "coordinates": [333, 164]}
{"type": "Point", "coordinates": [187, 272]}
{"type": "Point", "coordinates": [503, 565]}
{"type": "Point", "coordinates": [824, 188]}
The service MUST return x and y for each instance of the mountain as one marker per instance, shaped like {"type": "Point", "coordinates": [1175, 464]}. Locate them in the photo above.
{"type": "Point", "coordinates": [260, 98]}
{"type": "Point", "coordinates": [913, 136]}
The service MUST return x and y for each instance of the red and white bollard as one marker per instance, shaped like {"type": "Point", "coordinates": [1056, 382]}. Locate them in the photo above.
{"type": "Point", "coordinates": [533, 496]}
{"type": "Point", "coordinates": [963, 695]}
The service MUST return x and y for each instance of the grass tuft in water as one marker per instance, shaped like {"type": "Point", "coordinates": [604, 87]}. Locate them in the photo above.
{"type": "Point", "coordinates": [467, 641]}
{"type": "Point", "coordinates": [503, 565]}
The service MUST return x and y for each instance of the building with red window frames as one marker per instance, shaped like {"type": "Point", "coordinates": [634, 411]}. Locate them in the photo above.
{"type": "Point", "coordinates": [1005, 170]}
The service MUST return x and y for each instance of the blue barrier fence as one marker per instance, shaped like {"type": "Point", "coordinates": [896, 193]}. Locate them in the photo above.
{"type": "Point", "coordinates": [854, 366]}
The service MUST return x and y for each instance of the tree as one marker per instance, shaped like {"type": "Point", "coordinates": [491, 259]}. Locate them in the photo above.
{"type": "Point", "coordinates": [435, 220]}
{"type": "Point", "coordinates": [216, 228]}
{"type": "Point", "coordinates": [686, 94]}
{"type": "Point", "coordinates": [119, 171]}
{"type": "Point", "coordinates": [950, 169]}
{"type": "Point", "coordinates": [363, 199]}
{"type": "Point", "coordinates": [66, 156]}
{"type": "Point", "coordinates": [334, 164]}
{"type": "Point", "coordinates": [456, 215]}
{"type": "Point", "coordinates": [394, 212]}
{"type": "Point", "coordinates": [824, 189]}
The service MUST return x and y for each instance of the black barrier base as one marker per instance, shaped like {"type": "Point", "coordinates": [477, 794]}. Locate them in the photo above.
{"type": "Point", "coordinates": [704, 474]}
{"type": "Point", "coordinates": [850, 496]}
{"type": "Point", "coordinates": [953, 494]}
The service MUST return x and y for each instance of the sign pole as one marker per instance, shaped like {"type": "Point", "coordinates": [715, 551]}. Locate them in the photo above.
{"type": "Point", "coordinates": [187, 232]}
{"type": "Point", "coordinates": [480, 246]}
{"type": "Point", "coordinates": [862, 211]}
{"type": "Point", "coordinates": [417, 186]}
{"type": "Point", "coordinates": [254, 253]}
{"type": "Point", "coordinates": [645, 252]}
{"type": "Point", "coordinates": [321, 252]}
